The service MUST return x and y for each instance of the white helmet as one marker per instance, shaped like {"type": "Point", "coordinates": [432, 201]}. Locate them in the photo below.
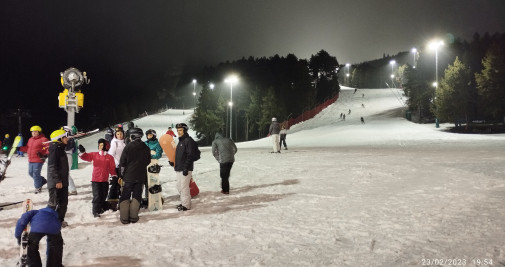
{"type": "Point", "coordinates": [274, 119]}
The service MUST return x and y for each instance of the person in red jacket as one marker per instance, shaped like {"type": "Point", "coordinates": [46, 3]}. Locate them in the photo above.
{"type": "Point", "coordinates": [170, 132]}
{"type": "Point", "coordinates": [103, 165]}
{"type": "Point", "coordinates": [37, 150]}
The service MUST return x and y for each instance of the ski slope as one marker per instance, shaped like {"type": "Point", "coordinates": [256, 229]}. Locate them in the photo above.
{"type": "Point", "coordinates": [385, 193]}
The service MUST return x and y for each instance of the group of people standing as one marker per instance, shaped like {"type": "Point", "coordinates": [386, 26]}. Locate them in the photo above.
{"type": "Point", "coordinates": [122, 159]}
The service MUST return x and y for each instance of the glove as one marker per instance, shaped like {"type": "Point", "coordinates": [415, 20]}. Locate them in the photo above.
{"type": "Point", "coordinates": [42, 157]}
{"type": "Point", "coordinates": [185, 172]}
{"type": "Point", "coordinates": [120, 181]}
{"type": "Point", "coordinates": [82, 149]}
{"type": "Point", "coordinates": [171, 163]}
{"type": "Point", "coordinates": [153, 152]}
{"type": "Point", "coordinates": [113, 180]}
{"type": "Point", "coordinates": [19, 240]}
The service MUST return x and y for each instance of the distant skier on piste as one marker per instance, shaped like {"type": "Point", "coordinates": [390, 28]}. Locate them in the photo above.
{"type": "Point", "coordinates": [170, 132]}
{"type": "Point", "coordinates": [132, 170]}
{"type": "Point", "coordinates": [57, 174]}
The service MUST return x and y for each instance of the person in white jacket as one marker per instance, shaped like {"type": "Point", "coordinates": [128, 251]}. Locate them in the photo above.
{"type": "Point", "coordinates": [117, 145]}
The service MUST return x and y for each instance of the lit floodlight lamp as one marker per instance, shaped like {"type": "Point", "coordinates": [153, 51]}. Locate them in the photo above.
{"type": "Point", "coordinates": [392, 62]}
{"type": "Point", "coordinates": [435, 84]}
{"type": "Point", "coordinates": [194, 81]}
{"type": "Point", "coordinates": [435, 44]}
{"type": "Point", "coordinates": [230, 103]}
{"type": "Point", "coordinates": [211, 86]}
{"type": "Point", "coordinates": [231, 79]}
{"type": "Point", "coordinates": [347, 75]}
{"type": "Point", "coordinates": [392, 76]}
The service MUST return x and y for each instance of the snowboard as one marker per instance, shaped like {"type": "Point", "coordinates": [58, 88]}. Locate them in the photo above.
{"type": "Point", "coordinates": [155, 200]}
{"type": "Point", "coordinates": [4, 163]}
{"type": "Point", "coordinates": [23, 248]}
{"type": "Point", "coordinates": [167, 143]}
{"type": "Point", "coordinates": [114, 193]}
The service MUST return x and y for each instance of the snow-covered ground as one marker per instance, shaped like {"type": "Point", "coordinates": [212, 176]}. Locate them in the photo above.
{"type": "Point", "coordinates": [385, 193]}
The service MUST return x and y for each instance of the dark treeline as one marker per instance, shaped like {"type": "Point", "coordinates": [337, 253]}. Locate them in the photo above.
{"type": "Point", "coordinates": [279, 87]}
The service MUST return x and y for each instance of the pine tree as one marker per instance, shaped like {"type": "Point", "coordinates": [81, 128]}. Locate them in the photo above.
{"type": "Point", "coordinates": [453, 101]}
{"type": "Point", "coordinates": [491, 82]}
{"type": "Point", "coordinates": [208, 116]}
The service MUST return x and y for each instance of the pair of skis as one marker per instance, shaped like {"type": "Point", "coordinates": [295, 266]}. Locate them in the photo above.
{"type": "Point", "coordinates": [4, 163]}
{"type": "Point", "coordinates": [23, 247]}
{"type": "Point", "coordinates": [77, 135]}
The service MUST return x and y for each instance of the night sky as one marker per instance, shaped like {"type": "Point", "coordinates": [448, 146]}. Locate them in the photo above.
{"type": "Point", "coordinates": [126, 45]}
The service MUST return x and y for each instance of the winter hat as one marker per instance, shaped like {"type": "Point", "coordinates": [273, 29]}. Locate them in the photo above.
{"type": "Point", "coordinates": [105, 143]}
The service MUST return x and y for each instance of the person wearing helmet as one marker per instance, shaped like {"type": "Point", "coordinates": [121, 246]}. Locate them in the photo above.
{"type": "Point", "coordinates": [184, 165]}
{"type": "Point", "coordinates": [37, 150]}
{"type": "Point", "coordinates": [70, 149]}
{"type": "Point", "coordinates": [274, 131]}
{"type": "Point", "coordinates": [103, 166]}
{"type": "Point", "coordinates": [116, 149]}
{"type": "Point", "coordinates": [109, 134]}
{"type": "Point", "coordinates": [57, 174]}
{"type": "Point", "coordinates": [132, 171]}
{"type": "Point", "coordinates": [170, 132]}
{"type": "Point", "coordinates": [156, 151]}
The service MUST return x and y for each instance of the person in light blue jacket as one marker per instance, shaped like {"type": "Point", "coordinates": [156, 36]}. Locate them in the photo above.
{"type": "Point", "coordinates": [156, 151]}
{"type": "Point", "coordinates": [153, 144]}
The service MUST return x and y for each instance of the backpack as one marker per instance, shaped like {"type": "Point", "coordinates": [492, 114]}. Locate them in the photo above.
{"type": "Point", "coordinates": [196, 152]}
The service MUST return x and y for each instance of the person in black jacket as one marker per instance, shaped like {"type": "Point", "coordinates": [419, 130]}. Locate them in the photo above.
{"type": "Point", "coordinates": [57, 174]}
{"type": "Point", "coordinates": [184, 165]}
{"type": "Point", "coordinates": [133, 172]}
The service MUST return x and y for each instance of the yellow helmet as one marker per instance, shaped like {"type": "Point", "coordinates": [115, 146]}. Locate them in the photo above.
{"type": "Point", "coordinates": [35, 128]}
{"type": "Point", "coordinates": [56, 135]}
{"type": "Point", "coordinates": [7, 135]}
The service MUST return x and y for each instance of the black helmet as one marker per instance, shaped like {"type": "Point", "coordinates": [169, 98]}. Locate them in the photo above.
{"type": "Point", "coordinates": [151, 131]}
{"type": "Point", "coordinates": [136, 133]}
{"type": "Point", "coordinates": [182, 125]}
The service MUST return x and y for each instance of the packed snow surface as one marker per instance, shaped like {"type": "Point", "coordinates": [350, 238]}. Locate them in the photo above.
{"type": "Point", "coordinates": [385, 193]}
